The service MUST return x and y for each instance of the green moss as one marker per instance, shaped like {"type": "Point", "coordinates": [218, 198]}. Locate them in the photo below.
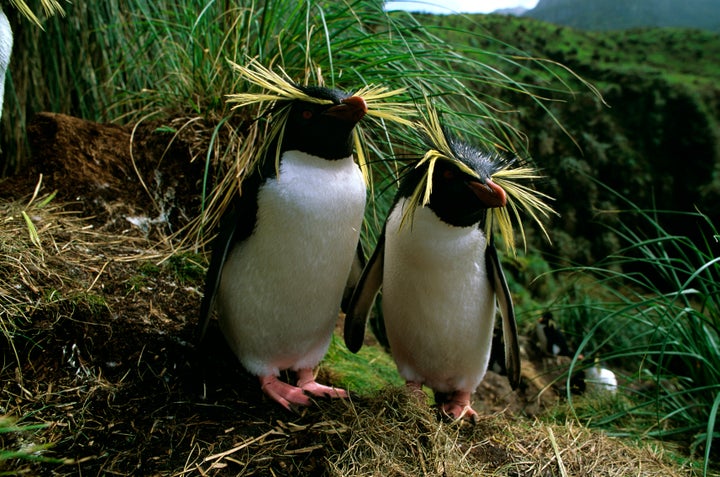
{"type": "Point", "coordinates": [370, 370]}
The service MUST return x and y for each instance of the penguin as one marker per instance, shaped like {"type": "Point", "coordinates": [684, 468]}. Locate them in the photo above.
{"type": "Point", "coordinates": [6, 44]}
{"type": "Point", "coordinates": [286, 247]}
{"type": "Point", "coordinates": [441, 279]}
{"type": "Point", "coordinates": [551, 339]}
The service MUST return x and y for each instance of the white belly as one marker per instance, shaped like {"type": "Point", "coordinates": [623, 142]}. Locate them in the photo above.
{"type": "Point", "coordinates": [438, 305]}
{"type": "Point", "coordinates": [281, 288]}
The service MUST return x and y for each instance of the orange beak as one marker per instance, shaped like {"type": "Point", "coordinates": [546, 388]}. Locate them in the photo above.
{"type": "Point", "coordinates": [352, 109]}
{"type": "Point", "coordinates": [491, 194]}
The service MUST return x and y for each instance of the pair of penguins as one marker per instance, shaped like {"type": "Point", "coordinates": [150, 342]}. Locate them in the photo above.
{"type": "Point", "coordinates": [284, 253]}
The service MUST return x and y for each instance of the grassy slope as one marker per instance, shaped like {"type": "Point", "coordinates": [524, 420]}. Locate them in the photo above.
{"type": "Point", "coordinates": [109, 383]}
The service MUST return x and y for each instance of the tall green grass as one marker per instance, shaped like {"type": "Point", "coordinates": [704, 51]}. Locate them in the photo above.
{"type": "Point", "coordinates": [125, 61]}
{"type": "Point", "coordinates": [651, 311]}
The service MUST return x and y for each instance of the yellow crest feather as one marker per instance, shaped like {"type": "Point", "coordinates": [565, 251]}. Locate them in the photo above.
{"type": "Point", "coordinates": [520, 197]}
{"type": "Point", "coordinates": [50, 7]}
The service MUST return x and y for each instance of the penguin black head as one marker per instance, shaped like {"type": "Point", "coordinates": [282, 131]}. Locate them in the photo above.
{"type": "Point", "coordinates": [313, 119]}
{"type": "Point", "coordinates": [462, 189]}
{"type": "Point", "coordinates": [464, 185]}
{"type": "Point", "coordinates": [323, 129]}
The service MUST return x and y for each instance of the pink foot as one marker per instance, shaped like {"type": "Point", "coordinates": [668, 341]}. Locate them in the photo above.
{"type": "Point", "coordinates": [287, 395]}
{"type": "Point", "coordinates": [458, 407]}
{"type": "Point", "coordinates": [306, 381]}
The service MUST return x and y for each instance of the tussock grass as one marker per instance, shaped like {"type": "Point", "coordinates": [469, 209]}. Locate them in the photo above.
{"type": "Point", "coordinates": [651, 311]}
{"type": "Point", "coordinates": [170, 61]}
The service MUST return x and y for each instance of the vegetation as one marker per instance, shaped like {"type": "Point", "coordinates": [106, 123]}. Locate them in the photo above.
{"type": "Point", "coordinates": [659, 112]}
{"type": "Point", "coordinates": [620, 15]}
{"type": "Point", "coordinates": [663, 336]}
{"type": "Point", "coordinates": [99, 369]}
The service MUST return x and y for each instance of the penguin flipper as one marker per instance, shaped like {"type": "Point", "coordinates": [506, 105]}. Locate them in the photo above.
{"type": "Point", "coordinates": [362, 299]}
{"type": "Point", "coordinates": [236, 224]}
{"type": "Point", "coordinates": [221, 247]}
{"type": "Point", "coordinates": [356, 270]}
{"type": "Point", "coordinates": [502, 293]}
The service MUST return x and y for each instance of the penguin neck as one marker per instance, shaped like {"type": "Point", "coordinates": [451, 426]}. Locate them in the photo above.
{"type": "Point", "coordinates": [426, 223]}
{"type": "Point", "coordinates": [295, 159]}
{"type": "Point", "coordinates": [451, 216]}
{"type": "Point", "coordinates": [313, 181]}
{"type": "Point", "coordinates": [457, 216]}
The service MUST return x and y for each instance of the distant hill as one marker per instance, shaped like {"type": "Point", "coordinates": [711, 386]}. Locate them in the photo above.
{"type": "Point", "coordinates": [624, 14]}
{"type": "Point", "coordinates": [516, 11]}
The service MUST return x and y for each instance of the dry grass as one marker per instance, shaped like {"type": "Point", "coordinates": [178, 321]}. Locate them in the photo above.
{"type": "Point", "coordinates": [100, 371]}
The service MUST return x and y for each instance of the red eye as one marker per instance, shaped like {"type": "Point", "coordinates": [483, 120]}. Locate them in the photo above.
{"type": "Point", "coordinates": [307, 114]}
{"type": "Point", "coordinates": [448, 174]}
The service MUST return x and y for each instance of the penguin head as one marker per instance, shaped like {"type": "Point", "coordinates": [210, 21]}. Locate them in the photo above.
{"type": "Point", "coordinates": [323, 129]}
{"type": "Point", "coordinates": [546, 320]}
{"type": "Point", "coordinates": [460, 195]}
{"type": "Point", "coordinates": [461, 190]}
{"type": "Point", "coordinates": [464, 185]}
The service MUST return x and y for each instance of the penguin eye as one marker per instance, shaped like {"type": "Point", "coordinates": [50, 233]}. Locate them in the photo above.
{"type": "Point", "coordinates": [448, 174]}
{"type": "Point", "coordinates": [307, 114]}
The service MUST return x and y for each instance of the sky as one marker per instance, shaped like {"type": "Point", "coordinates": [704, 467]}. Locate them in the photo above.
{"type": "Point", "coordinates": [458, 6]}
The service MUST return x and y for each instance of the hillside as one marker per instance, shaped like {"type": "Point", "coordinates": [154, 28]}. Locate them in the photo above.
{"type": "Point", "coordinates": [101, 282]}
{"type": "Point", "coordinates": [623, 14]}
{"type": "Point", "coordinates": [655, 140]}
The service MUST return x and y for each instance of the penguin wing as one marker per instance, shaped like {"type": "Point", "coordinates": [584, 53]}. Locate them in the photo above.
{"type": "Point", "coordinates": [363, 297]}
{"type": "Point", "coordinates": [356, 270]}
{"type": "Point", "coordinates": [236, 225]}
{"type": "Point", "coordinates": [502, 293]}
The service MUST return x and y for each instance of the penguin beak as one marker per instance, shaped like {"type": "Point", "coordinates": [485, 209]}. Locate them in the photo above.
{"type": "Point", "coordinates": [491, 194]}
{"type": "Point", "coordinates": [351, 109]}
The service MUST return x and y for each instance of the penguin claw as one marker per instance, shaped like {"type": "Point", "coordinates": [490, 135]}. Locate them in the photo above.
{"type": "Point", "coordinates": [306, 382]}
{"type": "Point", "coordinates": [319, 390]}
{"type": "Point", "coordinates": [288, 396]}
{"type": "Point", "coordinates": [416, 390]}
{"type": "Point", "coordinates": [458, 408]}
{"type": "Point", "coordinates": [460, 413]}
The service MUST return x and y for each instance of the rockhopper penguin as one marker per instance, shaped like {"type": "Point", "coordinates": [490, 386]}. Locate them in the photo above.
{"type": "Point", "coordinates": [551, 339]}
{"type": "Point", "coordinates": [284, 251]}
{"type": "Point", "coordinates": [440, 275]}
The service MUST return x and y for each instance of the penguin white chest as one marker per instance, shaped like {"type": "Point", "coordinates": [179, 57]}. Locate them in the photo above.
{"type": "Point", "coordinates": [281, 288]}
{"type": "Point", "coordinates": [438, 304]}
